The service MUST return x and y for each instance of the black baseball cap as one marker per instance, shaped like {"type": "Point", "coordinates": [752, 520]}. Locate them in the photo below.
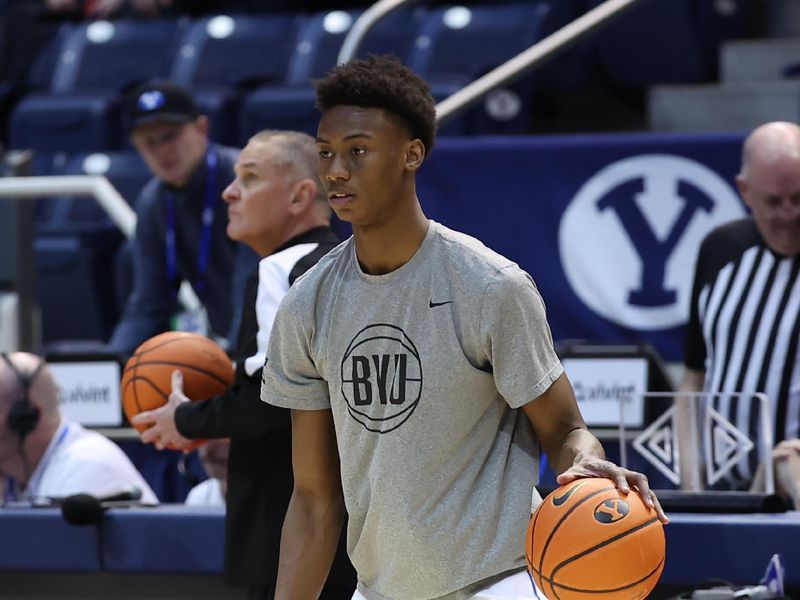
{"type": "Point", "coordinates": [160, 102]}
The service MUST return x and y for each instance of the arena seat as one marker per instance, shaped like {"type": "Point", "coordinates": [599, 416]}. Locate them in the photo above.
{"type": "Point", "coordinates": [458, 44]}
{"type": "Point", "coordinates": [95, 63]}
{"type": "Point", "coordinates": [654, 42]}
{"type": "Point", "coordinates": [221, 56]}
{"type": "Point", "coordinates": [125, 170]}
{"type": "Point", "coordinates": [75, 294]}
{"type": "Point", "coordinates": [290, 104]}
{"type": "Point", "coordinates": [75, 245]}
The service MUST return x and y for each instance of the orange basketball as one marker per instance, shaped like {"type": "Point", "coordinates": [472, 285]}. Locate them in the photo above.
{"type": "Point", "coordinates": [588, 541]}
{"type": "Point", "coordinates": [147, 378]}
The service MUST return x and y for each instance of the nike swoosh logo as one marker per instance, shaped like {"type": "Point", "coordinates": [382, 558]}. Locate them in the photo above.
{"type": "Point", "coordinates": [559, 500]}
{"type": "Point", "coordinates": [433, 304]}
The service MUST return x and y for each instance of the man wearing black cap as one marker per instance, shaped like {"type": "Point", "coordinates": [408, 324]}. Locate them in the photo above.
{"type": "Point", "coordinates": [181, 221]}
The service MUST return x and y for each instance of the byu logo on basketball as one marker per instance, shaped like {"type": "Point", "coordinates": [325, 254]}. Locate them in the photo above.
{"type": "Point", "coordinates": [629, 238]}
{"type": "Point", "coordinates": [611, 511]}
{"type": "Point", "coordinates": [381, 377]}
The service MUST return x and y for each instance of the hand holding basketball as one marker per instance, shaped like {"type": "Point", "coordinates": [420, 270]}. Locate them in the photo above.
{"type": "Point", "coordinates": [149, 383]}
{"type": "Point", "coordinates": [625, 480]}
{"type": "Point", "coordinates": [587, 539]}
{"type": "Point", "coordinates": [160, 422]}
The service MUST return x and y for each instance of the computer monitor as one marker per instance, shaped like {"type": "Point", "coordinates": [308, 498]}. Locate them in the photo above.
{"type": "Point", "coordinates": [605, 375]}
{"type": "Point", "coordinates": [89, 389]}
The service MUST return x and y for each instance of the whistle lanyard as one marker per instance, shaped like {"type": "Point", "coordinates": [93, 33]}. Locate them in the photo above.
{"type": "Point", "coordinates": [11, 494]}
{"type": "Point", "coordinates": [206, 219]}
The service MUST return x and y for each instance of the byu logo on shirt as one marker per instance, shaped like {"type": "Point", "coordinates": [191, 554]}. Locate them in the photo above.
{"type": "Point", "coordinates": [381, 377]}
{"type": "Point", "coordinates": [629, 239]}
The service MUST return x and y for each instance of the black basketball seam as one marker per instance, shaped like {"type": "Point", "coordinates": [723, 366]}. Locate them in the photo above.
{"type": "Point", "coordinates": [184, 366]}
{"type": "Point", "coordinates": [605, 591]}
{"type": "Point", "coordinates": [135, 390]}
{"type": "Point", "coordinates": [610, 540]}
{"type": "Point", "coordinates": [562, 519]}
{"type": "Point", "coordinates": [148, 381]}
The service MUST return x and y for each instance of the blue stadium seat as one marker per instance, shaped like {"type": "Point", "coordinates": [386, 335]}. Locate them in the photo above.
{"type": "Point", "coordinates": [75, 245]}
{"type": "Point", "coordinates": [126, 171]}
{"type": "Point", "coordinates": [74, 291]}
{"type": "Point", "coordinates": [654, 42]}
{"type": "Point", "coordinates": [221, 56]}
{"type": "Point", "coordinates": [96, 63]}
{"type": "Point", "coordinates": [458, 44]}
{"type": "Point", "coordinates": [78, 122]}
{"type": "Point", "coordinates": [290, 105]}
{"type": "Point", "coordinates": [720, 21]}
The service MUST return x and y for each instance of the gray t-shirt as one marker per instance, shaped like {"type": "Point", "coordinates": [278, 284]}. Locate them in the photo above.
{"type": "Point", "coordinates": [424, 369]}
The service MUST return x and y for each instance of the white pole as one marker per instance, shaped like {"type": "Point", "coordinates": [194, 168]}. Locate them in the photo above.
{"type": "Point", "coordinates": [527, 60]}
{"type": "Point", "coordinates": [363, 24]}
{"type": "Point", "coordinates": [99, 188]}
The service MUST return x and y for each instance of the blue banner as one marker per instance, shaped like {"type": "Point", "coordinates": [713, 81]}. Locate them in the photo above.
{"type": "Point", "coordinates": [608, 225]}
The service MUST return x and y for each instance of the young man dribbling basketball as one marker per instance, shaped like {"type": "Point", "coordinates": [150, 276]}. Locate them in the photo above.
{"type": "Point", "coordinates": [407, 354]}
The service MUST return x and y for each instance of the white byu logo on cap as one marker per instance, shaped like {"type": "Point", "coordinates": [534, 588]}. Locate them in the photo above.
{"type": "Point", "coordinates": [151, 100]}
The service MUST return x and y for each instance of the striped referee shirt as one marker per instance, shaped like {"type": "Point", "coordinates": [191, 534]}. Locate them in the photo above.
{"type": "Point", "coordinates": [744, 327]}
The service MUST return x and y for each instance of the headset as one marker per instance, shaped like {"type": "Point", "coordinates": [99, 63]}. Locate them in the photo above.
{"type": "Point", "coordinates": [23, 416]}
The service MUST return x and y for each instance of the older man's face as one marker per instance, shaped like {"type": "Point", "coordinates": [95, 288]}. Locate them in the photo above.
{"type": "Point", "coordinates": [772, 191]}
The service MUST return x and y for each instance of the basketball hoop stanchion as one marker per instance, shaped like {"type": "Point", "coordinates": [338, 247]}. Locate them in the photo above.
{"type": "Point", "coordinates": [696, 447]}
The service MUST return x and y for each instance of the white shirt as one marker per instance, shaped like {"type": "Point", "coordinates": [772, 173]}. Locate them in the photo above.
{"type": "Point", "coordinates": [78, 460]}
{"type": "Point", "coordinates": [206, 493]}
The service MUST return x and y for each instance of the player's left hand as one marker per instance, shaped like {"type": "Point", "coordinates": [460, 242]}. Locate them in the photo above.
{"type": "Point", "coordinates": [590, 466]}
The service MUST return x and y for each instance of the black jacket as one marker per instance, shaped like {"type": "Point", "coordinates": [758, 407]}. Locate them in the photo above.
{"type": "Point", "coordinates": [260, 463]}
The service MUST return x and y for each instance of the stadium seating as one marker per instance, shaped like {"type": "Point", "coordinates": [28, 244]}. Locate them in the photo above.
{"type": "Point", "coordinates": [75, 246]}
{"type": "Point", "coordinates": [222, 56]}
{"type": "Point", "coordinates": [95, 63]}
{"type": "Point", "coordinates": [457, 44]}
{"type": "Point", "coordinates": [654, 42]}
{"type": "Point", "coordinates": [290, 104]}
{"type": "Point", "coordinates": [66, 214]}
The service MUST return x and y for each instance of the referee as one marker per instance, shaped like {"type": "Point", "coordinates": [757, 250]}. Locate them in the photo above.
{"type": "Point", "coordinates": [744, 324]}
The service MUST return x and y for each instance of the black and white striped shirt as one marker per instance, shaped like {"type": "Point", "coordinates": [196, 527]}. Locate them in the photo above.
{"type": "Point", "coordinates": [744, 326]}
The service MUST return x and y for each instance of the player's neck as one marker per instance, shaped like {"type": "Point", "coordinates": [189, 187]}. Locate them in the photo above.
{"type": "Point", "coordinates": [386, 247]}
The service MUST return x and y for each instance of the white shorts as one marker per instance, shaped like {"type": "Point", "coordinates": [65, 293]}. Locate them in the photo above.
{"type": "Point", "coordinates": [518, 586]}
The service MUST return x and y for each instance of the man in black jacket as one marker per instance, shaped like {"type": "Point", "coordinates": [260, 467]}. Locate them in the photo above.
{"type": "Point", "coordinates": [181, 221]}
{"type": "Point", "coordinates": [275, 206]}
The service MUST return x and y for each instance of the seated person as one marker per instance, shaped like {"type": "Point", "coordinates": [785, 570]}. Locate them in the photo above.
{"type": "Point", "coordinates": [211, 492]}
{"type": "Point", "coordinates": [43, 454]}
{"type": "Point", "coordinates": [181, 223]}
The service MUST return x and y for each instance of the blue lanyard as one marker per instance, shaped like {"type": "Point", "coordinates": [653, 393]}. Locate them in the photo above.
{"type": "Point", "coordinates": [207, 220]}
{"type": "Point", "coordinates": [11, 495]}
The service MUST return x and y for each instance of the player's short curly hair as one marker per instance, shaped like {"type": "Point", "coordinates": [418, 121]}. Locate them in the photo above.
{"type": "Point", "coordinates": [382, 82]}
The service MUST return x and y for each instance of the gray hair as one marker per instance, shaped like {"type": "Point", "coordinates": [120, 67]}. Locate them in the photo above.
{"type": "Point", "coordinates": [298, 154]}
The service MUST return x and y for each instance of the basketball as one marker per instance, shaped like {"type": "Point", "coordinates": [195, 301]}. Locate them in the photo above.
{"type": "Point", "coordinates": [587, 540]}
{"type": "Point", "coordinates": [147, 377]}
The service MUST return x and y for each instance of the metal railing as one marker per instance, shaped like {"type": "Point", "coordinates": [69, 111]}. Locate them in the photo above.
{"type": "Point", "coordinates": [94, 186]}
{"type": "Point", "coordinates": [521, 64]}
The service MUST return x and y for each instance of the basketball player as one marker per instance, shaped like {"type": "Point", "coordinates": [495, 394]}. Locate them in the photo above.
{"type": "Point", "coordinates": [744, 325]}
{"type": "Point", "coordinates": [421, 375]}
{"type": "Point", "coordinates": [43, 454]}
{"type": "Point", "coordinates": [275, 206]}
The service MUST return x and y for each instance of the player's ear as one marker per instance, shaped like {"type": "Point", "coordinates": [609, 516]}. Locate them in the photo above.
{"type": "Point", "coordinates": [414, 155]}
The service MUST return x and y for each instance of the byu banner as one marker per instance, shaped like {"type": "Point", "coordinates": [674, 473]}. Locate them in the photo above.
{"type": "Point", "coordinates": [608, 226]}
